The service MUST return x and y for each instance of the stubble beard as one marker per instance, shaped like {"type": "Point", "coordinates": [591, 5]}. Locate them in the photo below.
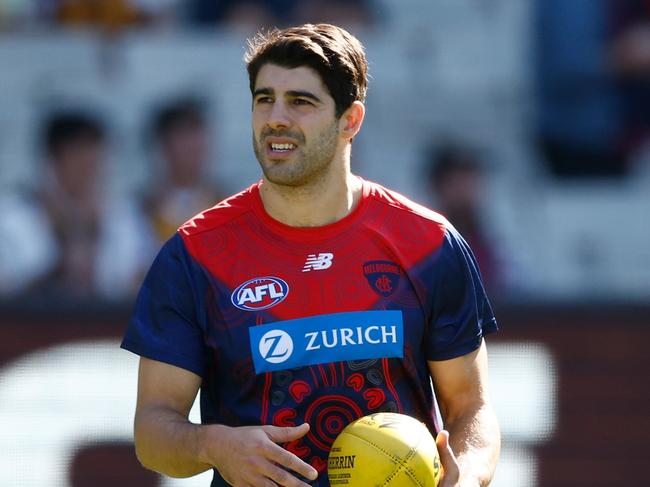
{"type": "Point", "coordinates": [308, 165]}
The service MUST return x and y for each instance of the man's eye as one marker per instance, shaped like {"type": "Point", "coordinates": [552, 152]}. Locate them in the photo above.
{"type": "Point", "coordinates": [264, 99]}
{"type": "Point", "coordinates": [301, 101]}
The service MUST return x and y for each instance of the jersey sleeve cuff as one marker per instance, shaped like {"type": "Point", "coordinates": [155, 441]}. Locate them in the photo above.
{"type": "Point", "coordinates": [467, 347]}
{"type": "Point", "coordinates": [163, 356]}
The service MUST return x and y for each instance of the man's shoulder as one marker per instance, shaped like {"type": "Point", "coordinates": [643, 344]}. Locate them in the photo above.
{"type": "Point", "coordinates": [220, 214]}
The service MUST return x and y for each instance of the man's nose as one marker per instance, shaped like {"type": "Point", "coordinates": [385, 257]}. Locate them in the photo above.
{"type": "Point", "coordinates": [279, 116]}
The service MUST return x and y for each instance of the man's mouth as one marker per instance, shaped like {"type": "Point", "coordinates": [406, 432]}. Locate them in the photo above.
{"type": "Point", "coordinates": [277, 148]}
{"type": "Point", "coordinates": [286, 147]}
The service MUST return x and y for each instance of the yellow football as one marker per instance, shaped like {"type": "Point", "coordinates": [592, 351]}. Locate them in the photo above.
{"type": "Point", "coordinates": [384, 449]}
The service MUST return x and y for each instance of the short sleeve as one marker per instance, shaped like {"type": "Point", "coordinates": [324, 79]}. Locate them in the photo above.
{"type": "Point", "coordinates": [461, 311]}
{"type": "Point", "coordinates": [166, 324]}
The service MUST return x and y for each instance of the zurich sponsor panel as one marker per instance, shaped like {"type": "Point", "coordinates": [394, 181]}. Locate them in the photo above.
{"type": "Point", "coordinates": [357, 335]}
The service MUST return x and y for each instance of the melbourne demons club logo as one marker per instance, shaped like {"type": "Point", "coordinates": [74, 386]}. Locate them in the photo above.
{"type": "Point", "coordinates": [260, 293]}
{"type": "Point", "coordinates": [382, 275]}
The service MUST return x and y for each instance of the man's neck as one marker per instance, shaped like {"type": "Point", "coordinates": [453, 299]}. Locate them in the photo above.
{"type": "Point", "coordinates": [321, 203]}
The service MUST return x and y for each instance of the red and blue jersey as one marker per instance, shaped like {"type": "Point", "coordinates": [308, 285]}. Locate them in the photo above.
{"type": "Point", "coordinates": [322, 325]}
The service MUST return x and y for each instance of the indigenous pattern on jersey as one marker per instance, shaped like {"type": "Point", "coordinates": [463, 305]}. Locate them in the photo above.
{"type": "Point", "coordinates": [321, 325]}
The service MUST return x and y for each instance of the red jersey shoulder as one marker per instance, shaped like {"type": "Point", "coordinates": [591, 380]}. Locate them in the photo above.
{"type": "Point", "coordinates": [411, 230]}
{"type": "Point", "coordinates": [220, 214]}
{"type": "Point", "coordinates": [412, 211]}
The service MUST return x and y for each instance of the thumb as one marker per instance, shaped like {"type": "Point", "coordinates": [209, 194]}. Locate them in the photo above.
{"type": "Point", "coordinates": [280, 434]}
{"type": "Point", "coordinates": [451, 470]}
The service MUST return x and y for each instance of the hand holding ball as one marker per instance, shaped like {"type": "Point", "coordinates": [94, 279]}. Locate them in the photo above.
{"type": "Point", "coordinates": [384, 449]}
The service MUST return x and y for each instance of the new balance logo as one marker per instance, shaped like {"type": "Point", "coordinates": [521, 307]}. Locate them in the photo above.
{"type": "Point", "coordinates": [318, 262]}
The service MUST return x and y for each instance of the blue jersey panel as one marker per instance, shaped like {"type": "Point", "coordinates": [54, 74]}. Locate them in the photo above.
{"type": "Point", "coordinates": [165, 325]}
{"type": "Point", "coordinates": [461, 313]}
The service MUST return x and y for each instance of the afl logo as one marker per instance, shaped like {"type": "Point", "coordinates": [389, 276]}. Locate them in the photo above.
{"type": "Point", "coordinates": [260, 293]}
{"type": "Point", "coordinates": [276, 346]}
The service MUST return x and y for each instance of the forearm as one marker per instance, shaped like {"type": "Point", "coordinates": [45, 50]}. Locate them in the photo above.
{"type": "Point", "coordinates": [168, 443]}
{"type": "Point", "coordinates": [476, 440]}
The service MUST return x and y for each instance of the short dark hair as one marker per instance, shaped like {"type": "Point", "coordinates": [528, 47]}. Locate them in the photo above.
{"type": "Point", "coordinates": [335, 54]}
{"type": "Point", "coordinates": [450, 158]}
{"type": "Point", "coordinates": [177, 112]}
{"type": "Point", "coordinates": [64, 127]}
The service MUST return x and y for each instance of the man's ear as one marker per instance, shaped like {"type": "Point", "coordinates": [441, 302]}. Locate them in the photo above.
{"type": "Point", "coordinates": [351, 120]}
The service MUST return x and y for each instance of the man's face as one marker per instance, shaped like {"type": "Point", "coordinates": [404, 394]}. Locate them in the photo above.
{"type": "Point", "coordinates": [185, 146]}
{"type": "Point", "coordinates": [295, 131]}
{"type": "Point", "coordinates": [78, 164]}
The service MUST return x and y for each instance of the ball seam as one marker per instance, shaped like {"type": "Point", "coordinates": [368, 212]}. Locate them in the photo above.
{"type": "Point", "coordinates": [402, 465]}
{"type": "Point", "coordinates": [400, 462]}
{"type": "Point", "coordinates": [409, 470]}
{"type": "Point", "coordinates": [378, 447]}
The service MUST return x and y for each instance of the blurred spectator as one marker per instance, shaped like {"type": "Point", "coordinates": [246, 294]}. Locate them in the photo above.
{"type": "Point", "coordinates": [349, 14]}
{"type": "Point", "coordinates": [72, 240]}
{"type": "Point", "coordinates": [16, 14]}
{"type": "Point", "coordinates": [247, 15]}
{"type": "Point", "coordinates": [250, 15]}
{"type": "Point", "coordinates": [181, 187]}
{"type": "Point", "coordinates": [26, 251]}
{"type": "Point", "coordinates": [457, 182]}
{"type": "Point", "coordinates": [114, 16]}
{"type": "Point", "coordinates": [110, 15]}
{"type": "Point", "coordinates": [630, 50]}
{"type": "Point", "coordinates": [579, 108]}
{"type": "Point", "coordinates": [593, 64]}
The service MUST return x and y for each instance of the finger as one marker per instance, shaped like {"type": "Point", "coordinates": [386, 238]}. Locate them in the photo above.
{"type": "Point", "coordinates": [284, 434]}
{"type": "Point", "coordinates": [285, 458]}
{"type": "Point", "coordinates": [255, 475]}
{"type": "Point", "coordinates": [282, 477]}
{"type": "Point", "coordinates": [450, 468]}
{"type": "Point", "coordinates": [289, 461]}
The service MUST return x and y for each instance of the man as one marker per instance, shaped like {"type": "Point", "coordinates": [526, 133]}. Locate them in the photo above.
{"type": "Point", "coordinates": [456, 177]}
{"type": "Point", "coordinates": [180, 133]}
{"type": "Point", "coordinates": [310, 299]}
{"type": "Point", "coordinates": [70, 237]}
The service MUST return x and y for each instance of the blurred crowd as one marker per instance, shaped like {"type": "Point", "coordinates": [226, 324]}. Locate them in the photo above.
{"type": "Point", "coordinates": [67, 236]}
{"type": "Point", "coordinates": [112, 16]}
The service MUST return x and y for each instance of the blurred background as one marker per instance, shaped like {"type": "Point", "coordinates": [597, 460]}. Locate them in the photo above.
{"type": "Point", "coordinates": [526, 122]}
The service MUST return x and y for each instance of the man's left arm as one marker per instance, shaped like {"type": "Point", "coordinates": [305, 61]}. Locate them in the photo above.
{"type": "Point", "coordinates": [461, 386]}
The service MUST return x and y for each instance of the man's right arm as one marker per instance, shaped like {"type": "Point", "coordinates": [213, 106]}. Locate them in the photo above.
{"type": "Point", "coordinates": [168, 443]}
